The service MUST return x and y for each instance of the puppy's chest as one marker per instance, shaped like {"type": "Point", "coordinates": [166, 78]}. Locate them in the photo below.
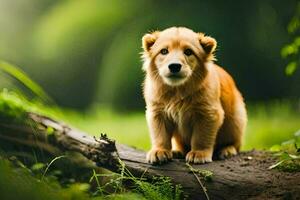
{"type": "Point", "coordinates": [178, 110]}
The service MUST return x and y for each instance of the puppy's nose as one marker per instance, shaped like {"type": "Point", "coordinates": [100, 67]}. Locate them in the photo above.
{"type": "Point", "coordinates": [175, 67]}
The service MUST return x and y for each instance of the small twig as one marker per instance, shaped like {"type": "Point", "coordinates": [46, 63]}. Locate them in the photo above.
{"type": "Point", "coordinates": [198, 179]}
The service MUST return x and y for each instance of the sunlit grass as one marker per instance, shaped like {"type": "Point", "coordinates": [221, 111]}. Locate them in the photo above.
{"type": "Point", "coordinates": [130, 129]}
{"type": "Point", "coordinates": [269, 124]}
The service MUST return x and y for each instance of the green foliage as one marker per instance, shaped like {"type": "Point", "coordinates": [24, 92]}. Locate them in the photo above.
{"type": "Point", "coordinates": [19, 75]}
{"type": "Point", "coordinates": [294, 24]}
{"type": "Point", "coordinates": [37, 167]}
{"type": "Point", "coordinates": [207, 175]}
{"type": "Point", "coordinates": [291, 50]}
{"type": "Point", "coordinates": [18, 183]}
{"type": "Point", "coordinates": [160, 188]}
{"type": "Point", "coordinates": [12, 107]}
{"type": "Point", "coordinates": [291, 68]}
{"type": "Point", "coordinates": [15, 106]}
{"type": "Point", "coordinates": [289, 155]}
{"type": "Point", "coordinates": [125, 196]}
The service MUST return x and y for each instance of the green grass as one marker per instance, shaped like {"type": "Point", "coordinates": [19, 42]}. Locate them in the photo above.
{"type": "Point", "coordinates": [19, 183]}
{"type": "Point", "coordinates": [269, 123]}
{"type": "Point", "coordinates": [22, 77]}
{"type": "Point", "coordinates": [128, 128]}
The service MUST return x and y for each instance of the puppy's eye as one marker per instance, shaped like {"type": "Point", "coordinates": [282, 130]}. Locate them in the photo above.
{"type": "Point", "coordinates": [164, 51]}
{"type": "Point", "coordinates": [188, 52]}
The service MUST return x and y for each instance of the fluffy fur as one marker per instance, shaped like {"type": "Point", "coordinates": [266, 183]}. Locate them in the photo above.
{"type": "Point", "coordinates": [198, 110]}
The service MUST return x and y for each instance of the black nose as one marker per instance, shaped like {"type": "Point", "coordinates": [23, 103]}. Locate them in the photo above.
{"type": "Point", "coordinates": [175, 67]}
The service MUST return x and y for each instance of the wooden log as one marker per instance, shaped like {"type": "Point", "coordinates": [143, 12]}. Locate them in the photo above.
{"type": "Point", "coordinates": [245, 176]}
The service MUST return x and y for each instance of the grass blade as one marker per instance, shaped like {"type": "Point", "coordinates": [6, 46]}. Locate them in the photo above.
{"type": "Point", "coordinates": [21, 76]}
{"type": "Point", "coordinates": [52, 161]}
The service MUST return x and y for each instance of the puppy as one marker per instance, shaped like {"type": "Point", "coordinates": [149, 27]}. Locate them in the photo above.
{"type": "Point", "coordinates": [193, 107]}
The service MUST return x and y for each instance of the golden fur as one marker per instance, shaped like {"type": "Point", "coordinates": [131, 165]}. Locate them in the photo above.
{"type": "Point", "coordinates": [199, 110]}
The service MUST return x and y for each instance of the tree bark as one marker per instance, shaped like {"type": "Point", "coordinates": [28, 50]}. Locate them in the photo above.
{"type": "Point", "coordinates": [245, 176]}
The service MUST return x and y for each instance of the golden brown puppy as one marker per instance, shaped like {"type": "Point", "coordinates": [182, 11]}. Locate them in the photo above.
{"type": "Point", "coordinates": [193, 105]}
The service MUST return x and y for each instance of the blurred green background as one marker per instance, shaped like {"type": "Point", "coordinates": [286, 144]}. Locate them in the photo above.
{"type": "Point", "coordinates": [85, 54]}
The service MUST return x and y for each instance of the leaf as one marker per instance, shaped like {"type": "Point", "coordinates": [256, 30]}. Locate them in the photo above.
{"type": "Point", "coordinates": [37, 166]}
{"type": "Point", "coordinates": [297, 134]}
{"type": "Point", "coordinates": [294, 156]}
{"type": "Point", "coordinates": [297, 42]}
{"type": "Point", "coordinates": [24, 79]}
{"type": "Point", "coordinates": [284, 156]}
{"type": "Point", "coordinates": [50, 130]}
{"type": "Point", "coordinates": [294, 24]}
{"type": "Point", "coordinates": [276, 164]}
{"type": "Point", "coordinates": [275, 148]}
{"type": "Point", "coordinates": [288, 50]}
{"type": "Point", "coordinates": [288, 142]}
{"type": "Point", "coordinates": [291, 68]}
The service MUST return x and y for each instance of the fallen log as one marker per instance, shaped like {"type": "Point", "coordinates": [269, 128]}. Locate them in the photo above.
{"type": "Point", "coordinates": [245, 176]}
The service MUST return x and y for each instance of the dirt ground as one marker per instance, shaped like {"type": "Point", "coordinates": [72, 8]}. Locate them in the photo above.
{"type": "Point", "coordinates": [245, 176]}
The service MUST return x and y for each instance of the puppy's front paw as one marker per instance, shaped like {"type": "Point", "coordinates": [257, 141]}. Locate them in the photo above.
{"type": "Point", "coordinates": [227, 152]}
{"type": "Point", "coordinates": [199, 156]}
{"type": "Point", "coordinates": [159, 156]}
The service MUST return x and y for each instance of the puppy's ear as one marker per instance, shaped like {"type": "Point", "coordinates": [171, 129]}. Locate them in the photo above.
{"type": "Point", "coordinates": [148, 40]}
{"type": "Point", "coordinates": [208, 44]}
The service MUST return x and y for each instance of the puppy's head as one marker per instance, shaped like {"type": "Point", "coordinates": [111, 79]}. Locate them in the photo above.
{"type": "Point", "coordinates": [177, 54]}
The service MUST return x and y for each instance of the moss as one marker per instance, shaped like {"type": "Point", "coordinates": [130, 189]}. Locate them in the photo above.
{"type": "Point", "coordinates": [50, 130]}
{"type": "Point", "coordinates": [207, 175]}
{"type": "Point", "coordinates": [12, 107]}
{"type": "Point", "coordinates": [160, 188]}
{"type": "Point", "coordinates": [15, 107]}
{"type": "Point", "coordinates": [288, 154]}
{"type": "Point", "coordinates": [290, 166]}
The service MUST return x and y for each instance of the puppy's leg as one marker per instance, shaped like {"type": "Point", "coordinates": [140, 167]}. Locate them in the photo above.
{"type": "Point", "coordinates": [230, 135]}
{"type": "Point", "coordinates": [160, 138]}
{"type": "Point", "coordinates": [178, 150]}
{"type": "Point", "coordinates": [203, 137]}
